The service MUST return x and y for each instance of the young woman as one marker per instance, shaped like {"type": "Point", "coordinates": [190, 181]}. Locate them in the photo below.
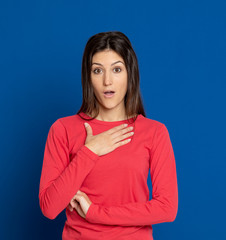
{"type": "Point", "coordinates": [96, 162]}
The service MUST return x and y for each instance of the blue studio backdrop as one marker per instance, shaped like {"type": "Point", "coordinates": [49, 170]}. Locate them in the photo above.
{"type": "Point", "coordinates": [181, 53]}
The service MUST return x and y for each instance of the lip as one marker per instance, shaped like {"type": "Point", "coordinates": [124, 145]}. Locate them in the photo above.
{"type": "Point", "coordinates": [109, 95]}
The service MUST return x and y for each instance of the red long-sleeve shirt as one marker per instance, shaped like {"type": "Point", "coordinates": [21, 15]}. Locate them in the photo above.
{"type": "Point", "coordinates": [116, 183]}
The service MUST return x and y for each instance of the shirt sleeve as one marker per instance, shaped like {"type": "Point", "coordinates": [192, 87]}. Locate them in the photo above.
{"type": "Point", "coordinates": [164, 203]}
{"type": "Point", "coordinates": [61, 178]}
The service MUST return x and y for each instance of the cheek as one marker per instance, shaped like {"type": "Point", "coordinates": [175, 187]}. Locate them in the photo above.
{"type": "Point", "coordinates": [123, 84]}
{"type": "Point", "coordinates": [95, 85]}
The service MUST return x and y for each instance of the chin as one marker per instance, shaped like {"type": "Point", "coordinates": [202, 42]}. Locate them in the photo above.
{"type": "Point", "coordinates": [109, 106]}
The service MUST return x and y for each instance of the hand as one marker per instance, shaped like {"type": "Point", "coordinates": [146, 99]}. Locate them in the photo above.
{"type": "Point", "coordinates": [109, 140]}
{"type": "Point", "coordinates": [81, 203]}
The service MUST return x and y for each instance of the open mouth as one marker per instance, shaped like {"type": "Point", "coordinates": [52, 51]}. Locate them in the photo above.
{"type": "Point", "coordinates": [109, 93]}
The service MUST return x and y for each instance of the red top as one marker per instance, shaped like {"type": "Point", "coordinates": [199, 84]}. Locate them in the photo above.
{"type": "Point", "coordinates": [116, 183]}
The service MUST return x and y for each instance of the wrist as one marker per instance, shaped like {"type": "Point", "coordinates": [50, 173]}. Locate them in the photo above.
{"type": "Point", "coordinates": [91, 149]}
{"type": "Point", "coordinates": [90, 215]}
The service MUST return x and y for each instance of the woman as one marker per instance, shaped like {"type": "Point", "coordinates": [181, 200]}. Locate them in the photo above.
{"type": "Point", "coordinates": [96, 162]}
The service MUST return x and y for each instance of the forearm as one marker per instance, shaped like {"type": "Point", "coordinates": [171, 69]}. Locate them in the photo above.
{"type": "Point", "coordinates": [56, 192]}
{"type": "Point", "coordinates": [135, 214]}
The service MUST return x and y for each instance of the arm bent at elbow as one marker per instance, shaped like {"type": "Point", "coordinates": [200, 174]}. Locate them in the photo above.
{"type": "Point", "coordinates": [62, 177]}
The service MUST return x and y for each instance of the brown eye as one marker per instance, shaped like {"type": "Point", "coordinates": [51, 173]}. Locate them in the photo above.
{"type": "Point", "coordinates": [97, 70]}
{"type": "Point", "coordinates": [117, 70]}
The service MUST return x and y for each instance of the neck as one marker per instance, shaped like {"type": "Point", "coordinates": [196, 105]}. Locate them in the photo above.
{"type": "Point", "coordinates": [111, 115]}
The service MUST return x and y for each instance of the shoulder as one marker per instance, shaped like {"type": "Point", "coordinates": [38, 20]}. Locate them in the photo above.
{"type": "Point", "coordinates": [150, 123]}
{"type": "Point", "coordinates": [69, 120]}
{"type": "Point", "coordinates": [153, 128]}
{"type": "Point", "coordinates": [157, 133]}
{"type": "Point", "coordinates": [67, 123]}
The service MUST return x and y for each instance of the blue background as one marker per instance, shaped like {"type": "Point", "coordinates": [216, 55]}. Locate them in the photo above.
{"type": "Point", "coordinates": [181, 50]}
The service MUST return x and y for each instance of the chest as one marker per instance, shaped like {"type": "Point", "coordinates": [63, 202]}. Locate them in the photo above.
{"type": "Point", "coordinates": [129, 160]}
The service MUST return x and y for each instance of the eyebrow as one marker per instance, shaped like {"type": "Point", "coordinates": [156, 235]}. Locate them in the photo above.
{"type": "Point", "coordinates": [111, 64]}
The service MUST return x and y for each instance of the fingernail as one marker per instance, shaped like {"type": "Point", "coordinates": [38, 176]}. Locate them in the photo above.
{"type": "Point", "coordinates": [125, 125]}
{"type": "Point", "coordinates": [86, 124]}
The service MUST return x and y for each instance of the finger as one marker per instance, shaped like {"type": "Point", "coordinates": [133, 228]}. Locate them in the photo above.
{"type": "Point", "coordinates": [70, 207]}
{"type": "Point", "coordinates": [80, 212]}
{"type": "Point", "coordinates": [74, 204]}
{"type": "Point", "coordinates": [89, 130]}
{"type": "Point", "coordinates": [84, 204]}
{"type": "Point", "coordinates": [117, 128]}
{"type": "Point", "coordinates": [82, 193]}
{"type": "Point", "coordinates": [121, 143]}
{"type": "Point", "coordinates": [122, 132]}
{"type": "Point", "coordinates": [122, 137]}
{"type": "Point", "coordinates": [77, 197]}
{"type": "Point", "coordinates": [79, 209]}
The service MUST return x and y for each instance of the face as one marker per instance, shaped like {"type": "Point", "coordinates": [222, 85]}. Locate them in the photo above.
{"type": "Point", "coordinates": [109, 79]}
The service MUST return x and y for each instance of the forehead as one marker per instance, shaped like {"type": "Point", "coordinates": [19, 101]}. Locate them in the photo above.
{"type": "Point", "coordinates": [106, 56]}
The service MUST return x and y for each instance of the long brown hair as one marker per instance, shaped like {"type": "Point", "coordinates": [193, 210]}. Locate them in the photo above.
{"type": "Point", "coordinates": [118, 42]}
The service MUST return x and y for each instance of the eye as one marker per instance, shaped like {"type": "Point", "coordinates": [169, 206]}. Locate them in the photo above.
{"type": "Point", "coordinates": [117, 70]}
{"type": "Point", "coordinates": [97, 70]}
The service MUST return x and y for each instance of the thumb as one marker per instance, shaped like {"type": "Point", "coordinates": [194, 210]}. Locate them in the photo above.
{"type": "Point", "coordinates": [88, 129]}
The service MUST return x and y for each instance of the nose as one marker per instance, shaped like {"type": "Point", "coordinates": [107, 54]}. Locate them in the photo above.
{"type": "Point", "coordinates": [107, 78]}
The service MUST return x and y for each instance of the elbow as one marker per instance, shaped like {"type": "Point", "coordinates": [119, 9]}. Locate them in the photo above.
{"type": "Point", "coordinates": [172, 213]}
{"type": "Point", "coordinates": [169, 210]}
{"type": "Point", "coordinates": [172, 207]}
{"type": "Point", "coordinates": [46, 209]}
{"type": "Point", "coordinates": [168, 204]}
{"type": "Point", "coordinates": [48, 214]}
